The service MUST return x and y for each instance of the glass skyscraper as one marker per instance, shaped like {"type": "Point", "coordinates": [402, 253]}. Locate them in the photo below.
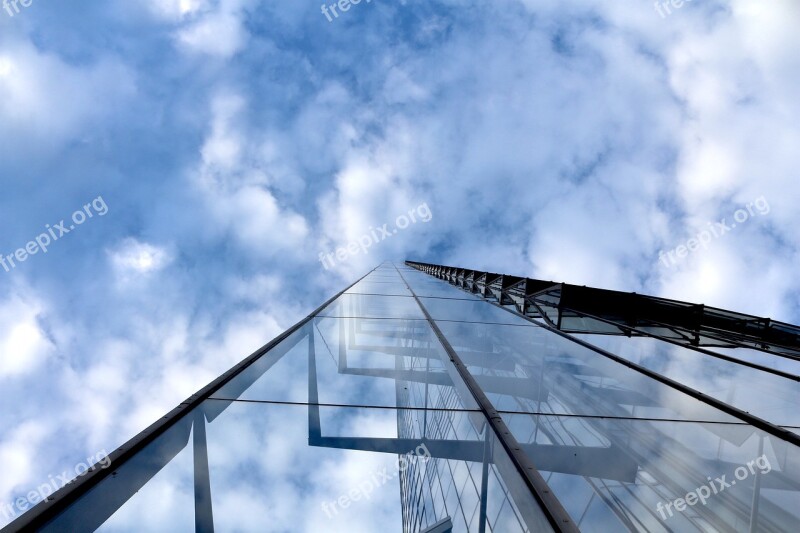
{"type": "Point", "coordinates": [426, 398]}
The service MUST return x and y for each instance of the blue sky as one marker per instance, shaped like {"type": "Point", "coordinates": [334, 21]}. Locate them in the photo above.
{"type": "Point", "coordinates": [233, 141]}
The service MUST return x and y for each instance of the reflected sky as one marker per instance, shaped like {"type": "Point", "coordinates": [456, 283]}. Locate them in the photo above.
{"type": "Point", "coordinates": [765, 395]}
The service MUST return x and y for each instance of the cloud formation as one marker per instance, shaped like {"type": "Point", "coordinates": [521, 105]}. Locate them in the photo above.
{"type": "Point", "coordinates": [236, 140]}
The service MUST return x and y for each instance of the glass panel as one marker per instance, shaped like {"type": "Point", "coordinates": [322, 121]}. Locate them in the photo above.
{"type": "Point", "coordinates": [383, 288]}
{"type": "Point", "coordinates": [383, 275]}
{"type": "Point", "coordinates": [444, 291]}
{"type": "Point", "coordinates": [391, 277]}
{"type": "Point", "coordinates": [280, 375]}
{"type": "Point", "coordinates": [468, 311]}
{"type": "Point", "coordinates": [353, 467]}
{"type": "Point", "coordinates": [570, 322]}
{"type": "Point", "coordinates": [428, 286]}
{"type": "Point", "coordinates": [391, 363]}
{"type": "Point", "coordinates": [369, 306]}
{"type": "Point", "coordinates": [768, 396]}
{"type": "Point", "coordinates": [709, 337]}
{"type": "Point", "coordinates": [151, 492]}
{"type": "Point", "coordinates": [638, 475]}
{"type": "Point", "coordinates": [165, 502]}
{"type": "Point", "coordinates": [272, 467]}
{"type": "Point", "coordinates": [439, 289]}
{"type": "Point", "coordinates": [777, 362]}
{"type": "Point", "coordinates": [531, 369]}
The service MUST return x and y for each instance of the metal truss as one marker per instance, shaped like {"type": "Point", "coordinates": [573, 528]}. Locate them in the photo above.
{"type": "Point", "coordinates": [582, 309]}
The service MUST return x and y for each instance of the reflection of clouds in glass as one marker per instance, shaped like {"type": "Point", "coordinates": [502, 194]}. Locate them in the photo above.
{"type": "Point", "coordinates": [263, 470]}
{"type": "Point", "coordinates": [374, 355]}
{"type": "Point", "coordinates": [573, 378]}
{"type": "Point", "coordinates": [165, 503]}
{"type": "Point", "coordinates": [762, 394]}
{"type": "Point", "coordinates": [669, 459]}
{"type": "Point", "coordinates": [764, 359]}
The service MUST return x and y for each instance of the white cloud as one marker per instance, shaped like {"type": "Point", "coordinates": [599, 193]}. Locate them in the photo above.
{"type": "Point", "coordinates": [218, 32]}
{"type": "Point", "coordinates": [236, 190]}
{"type": "Point", "coordinates": [223, 148]}
{"type": "Point", "coordinates": [177, 9]}
{"type": "Point", "coordinates": [209, 27]}
{"type": "Point", "coordinates": [23, 345]}
{"type": "Point", "coordinates": [18, 456]}
{"type": "Point", "coordinates": [47, 99]}
{"type": "Point", "coordinates": [133, 257]}
{"type": "Point", "coordinates": [6, 66]}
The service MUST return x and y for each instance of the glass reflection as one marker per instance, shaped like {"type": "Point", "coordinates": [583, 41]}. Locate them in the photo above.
{"type": "Point", "coordinates": [766, 395]}
{"type": "Point", "coordinates": [791, 366]}
{"type": "Point", "coordinates": [469, 311]}
{"type": "Point", "coordinates": [276, 467]}
{"type": "Point", "coordinates": [532, 369]}
{"type": "Point", "coordinates": [372, 306]}
{"type": "Point", "coordinates": [385, 288]}
{"type": "Point", "coordinates": [614, 475]}
{"type": "Point", "coordinates": [370, 362]}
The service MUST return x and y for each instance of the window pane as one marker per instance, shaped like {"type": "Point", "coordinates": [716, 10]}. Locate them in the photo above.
{"type": "Point", "coordinates": [532, 369]}
{"type": "Point", "coordinates": [614, 475]}
{"type": "Point", "coordinates": [765, 395]}
{"type": "Point", "coordinates": [369, 306]}
{"type": "Point", "coordinates": [388, 362]}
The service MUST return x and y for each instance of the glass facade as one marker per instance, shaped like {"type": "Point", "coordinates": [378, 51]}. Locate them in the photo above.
{"type": "Point", "coordinates": [430, 400]}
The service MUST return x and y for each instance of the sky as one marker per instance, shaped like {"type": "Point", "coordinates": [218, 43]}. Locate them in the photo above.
{"type": "Point", "coordinates": [209, 157]}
